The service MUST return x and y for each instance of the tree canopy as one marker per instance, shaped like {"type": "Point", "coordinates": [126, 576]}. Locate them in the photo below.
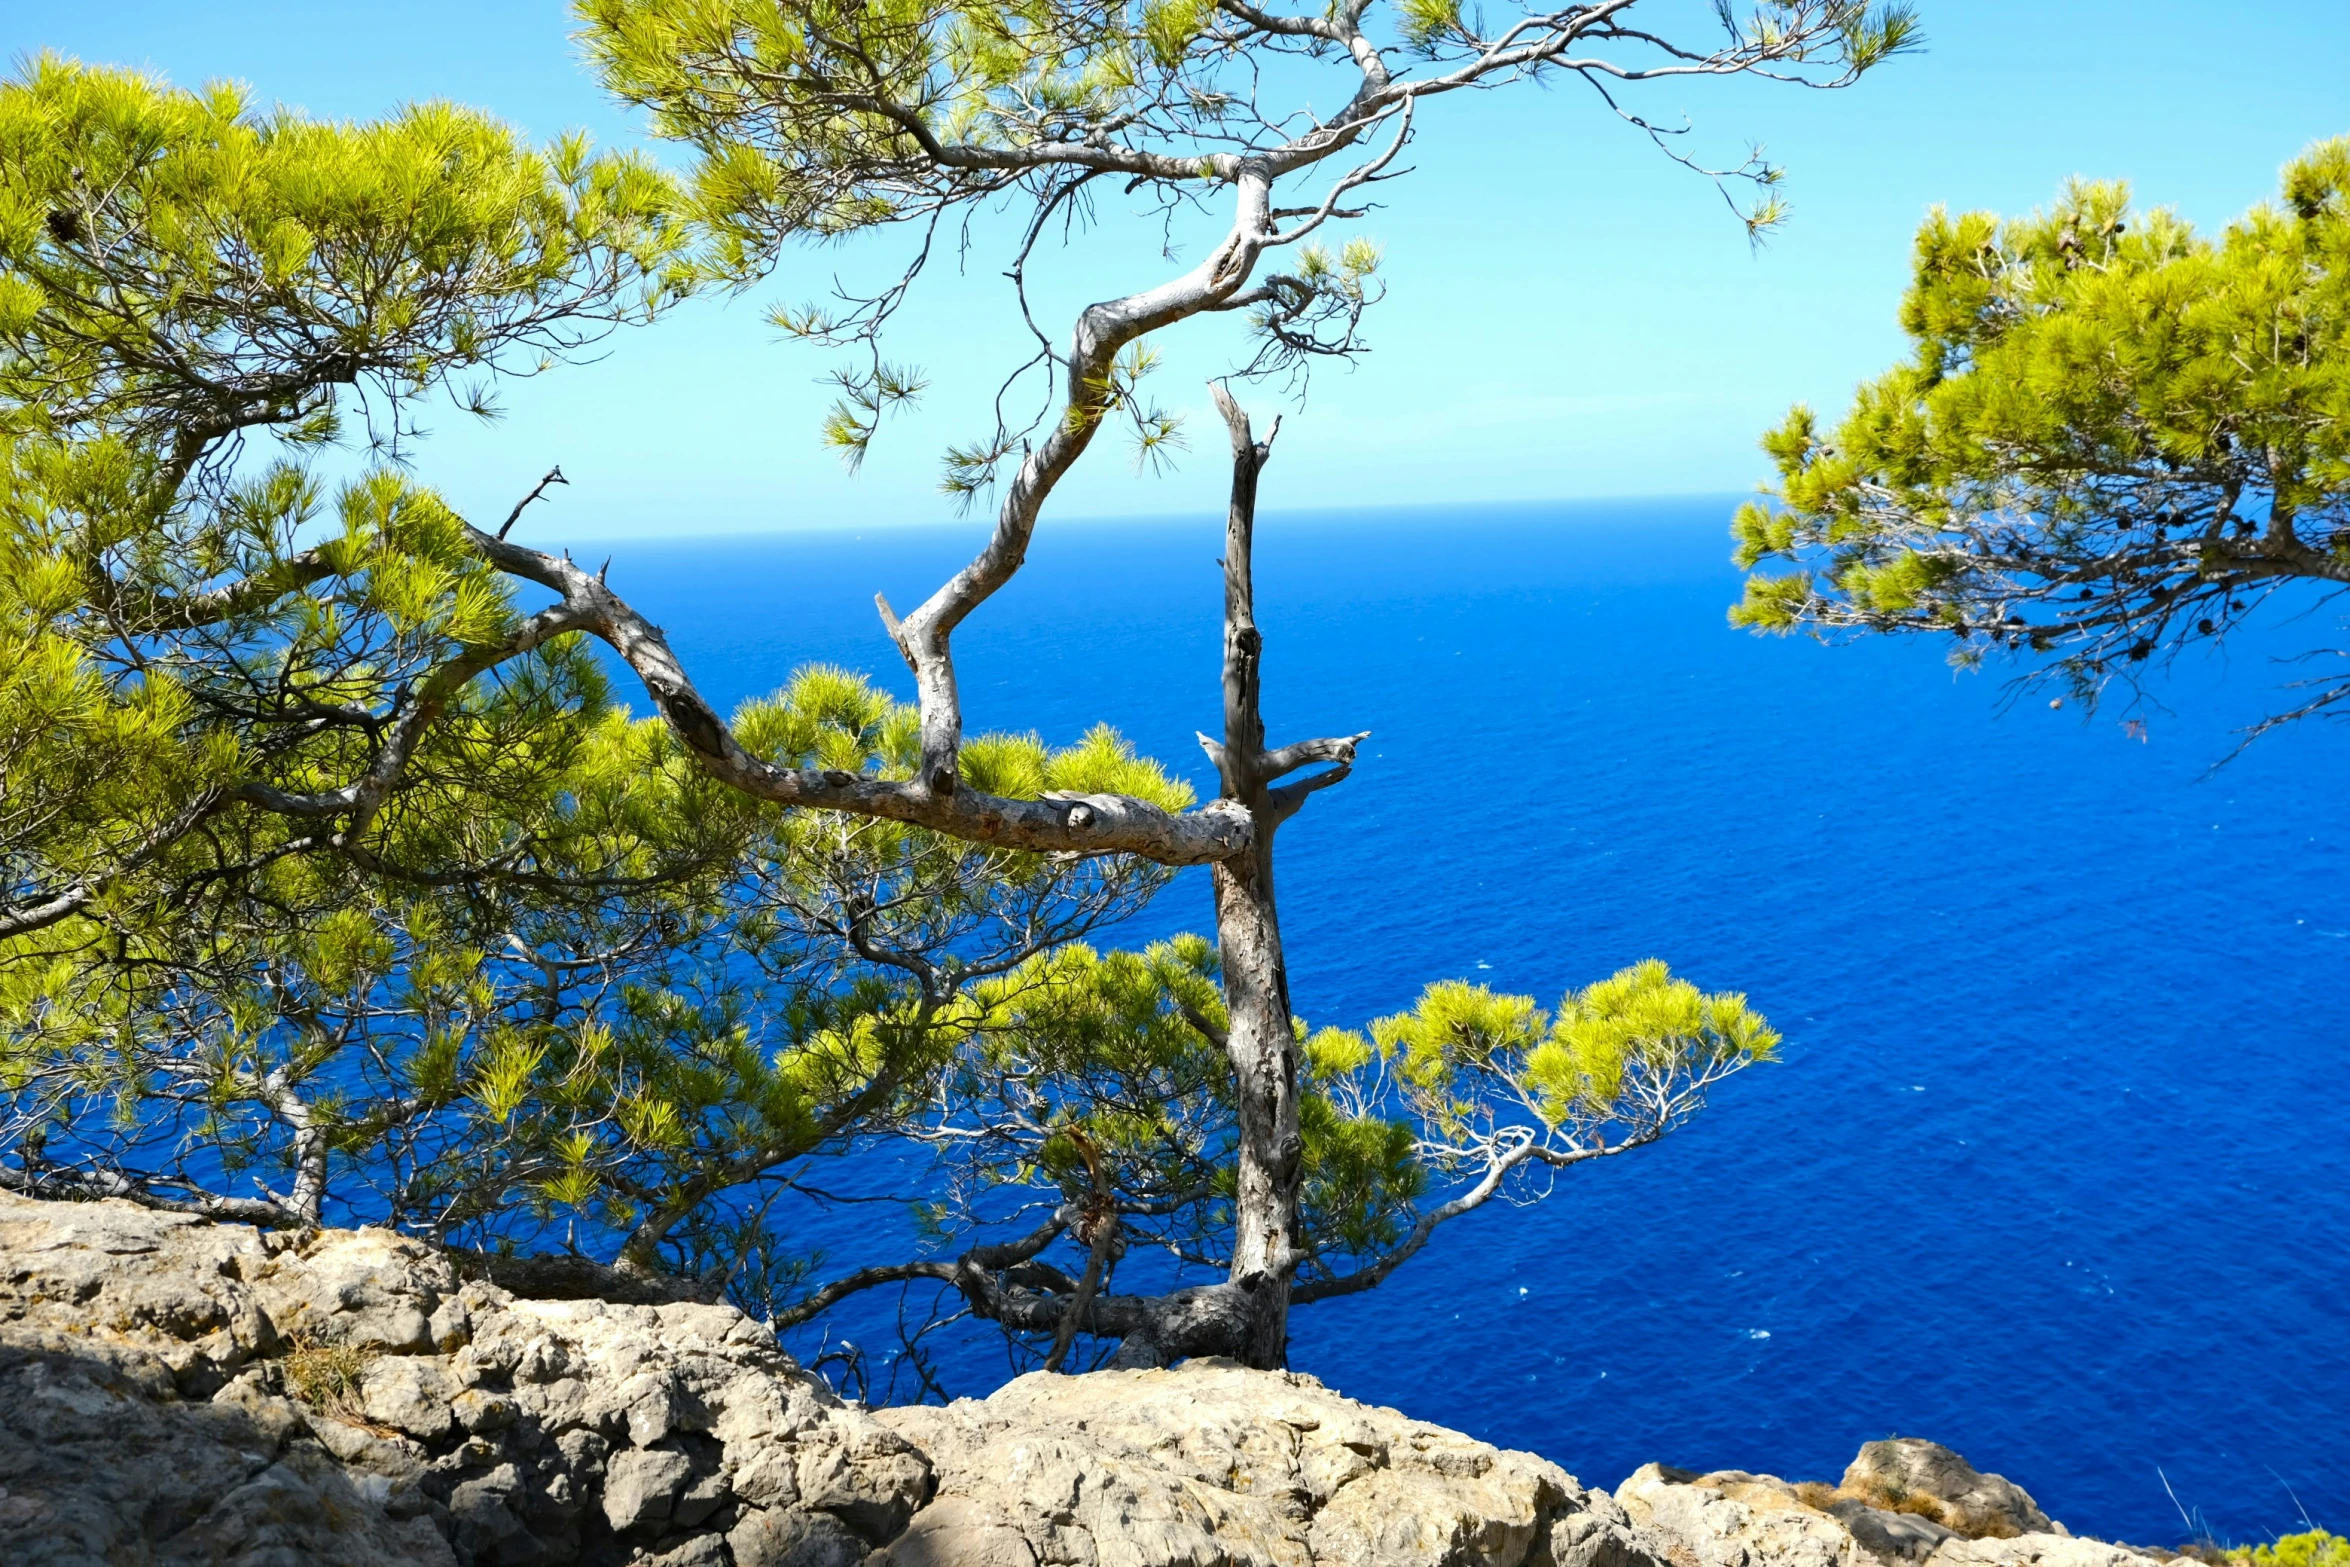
{"type": "Point", "coordinates": [2113, 440]}
{"type": "Point", "coordinates": [339, 883]}
{"type": "Point", "coordinates": [187, 625]}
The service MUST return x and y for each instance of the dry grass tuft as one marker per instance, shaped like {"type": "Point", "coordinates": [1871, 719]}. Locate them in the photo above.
{"type": "Point", "coordinates": [1896, 1499]}
{"type": "Point", "coordinates": [326, 1377]}
{"type": "Point", "coordinates": [1823, 1497]}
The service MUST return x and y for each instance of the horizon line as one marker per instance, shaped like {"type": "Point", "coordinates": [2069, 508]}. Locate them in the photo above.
{"type": "Point", "coordinates": [1393, 510]}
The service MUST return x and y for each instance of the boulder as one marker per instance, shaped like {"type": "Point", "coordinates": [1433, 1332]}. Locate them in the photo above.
{"type": "Point", "coordinates": [1977, 1505]}
{"type": "Point", "coordinates": [1212, 1465]}
{"type": "Point", "coordinates": [162, 1295]}
{"type": "Point", "coordinates": [1903, 1503]}
{"type": "Point", "coordinates": [1734, 1519]}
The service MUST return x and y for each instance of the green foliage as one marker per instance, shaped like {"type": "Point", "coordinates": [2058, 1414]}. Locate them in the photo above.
{"type": "Point", "coordinates": [660, 996]}
{"type": "Point", "coordinates": [1082, 1067]}
{"type": "Point", "coordinates": [182, 615]}
{"type": "Point", "coordinates": [1318, 309]}
{"type": "Point", "coordinates": [1365, 1166]}
{"type": "Point", "coordinates": [751, 85]}
{"type": "Point", "coordinates": [1077, 1058]}
{"type": "Point", "coordinates": [1585, 1066]}
{"type": "Point", "coordinates": [1426, 24]}
{"type": "Point", "coordinates": [2113, 437]}
{"type": "Point", "coordinates": [266, 260]}
{"type": "Point", "coordinates": [2316, 1548]}
{"type": "Point", "coordinates": [1102, 763]}
{"type": "Point", "coordinates": [333, 882]}
{"type": "Point", "coordinates": [548, 970]}
{"type": "Point", "coordinates": [1641, 1022]}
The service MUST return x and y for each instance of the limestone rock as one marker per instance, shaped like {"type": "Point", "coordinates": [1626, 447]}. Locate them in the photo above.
{"type": "Point", "coordinates": [412, 1394]}
{"type": "Point", "coordinates": [1734, 1519]}
{"type": "Point", "coordinates": [1210, 1465]}
{"type": "Point", "coordinates": [2040, 1550]}
{"type": "Point", "coordinates": [1976, 1505]}
{"type": "Point", "coordinates": [174, 1391]}
{"type": "Point", "coordinates": [178, 1391]}
{"type": "Point", "coordinates": [359, 1289]}
{"type": "Point", "coordinates": [157, 1294]}
{"type": "Point", "coordinates": [99, 1468]}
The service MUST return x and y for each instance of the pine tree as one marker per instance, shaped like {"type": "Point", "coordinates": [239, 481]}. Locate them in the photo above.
{"type": "Point", "coordinates": [328, 861]}
{"type": "Point", "coordinates": [2113, 440]}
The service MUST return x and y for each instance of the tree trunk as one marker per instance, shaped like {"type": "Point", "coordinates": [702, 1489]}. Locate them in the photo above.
{"type": "Point", "coordinates": [308, 1198]}
{"type": "Point", "coordinates": [1263, 1052]}
{"type": "Point", "coordinates": [1259, 1039]}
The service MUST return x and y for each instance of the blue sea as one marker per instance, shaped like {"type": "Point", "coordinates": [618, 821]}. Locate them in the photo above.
{"type": "Point", "coordinates": [2054, 1168]}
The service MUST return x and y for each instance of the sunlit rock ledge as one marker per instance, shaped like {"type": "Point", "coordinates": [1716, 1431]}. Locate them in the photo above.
{"type": "Point", "coordinates": [176, 1391]}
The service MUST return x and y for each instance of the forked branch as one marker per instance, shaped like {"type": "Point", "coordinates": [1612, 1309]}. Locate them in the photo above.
{"type": "Point", "coordinates": [1080, 824]}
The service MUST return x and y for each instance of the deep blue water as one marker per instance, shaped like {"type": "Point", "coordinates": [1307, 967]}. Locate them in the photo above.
{"type": "Point", "coordinates": [2054, 1168]}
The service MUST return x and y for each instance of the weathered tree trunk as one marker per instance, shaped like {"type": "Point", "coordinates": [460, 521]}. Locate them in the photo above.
{"type": "Point", "coordinates": [308, 1198]}
{"type": "Point", "coordinates": [1263, 1052]}
{"type": "Point", "coordinates": [1258, 1038]}
{"type": "Point", "coordinates": [1247, 1315]}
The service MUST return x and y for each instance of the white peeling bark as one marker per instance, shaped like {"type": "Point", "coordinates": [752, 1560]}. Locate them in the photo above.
{"type": "Point", "coordinates": [307, 1200]}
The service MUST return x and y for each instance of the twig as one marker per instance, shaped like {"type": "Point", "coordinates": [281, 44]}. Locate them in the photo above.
{"type": "Point", "coordinates": [554, 476]}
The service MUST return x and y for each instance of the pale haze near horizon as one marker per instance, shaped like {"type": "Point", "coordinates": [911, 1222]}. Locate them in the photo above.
{"type": "Point", "coordinates": [1570, 315]}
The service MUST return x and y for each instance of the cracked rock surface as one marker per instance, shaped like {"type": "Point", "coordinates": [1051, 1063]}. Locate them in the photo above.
{"type": "Point", "coordinates": [174, 1391]}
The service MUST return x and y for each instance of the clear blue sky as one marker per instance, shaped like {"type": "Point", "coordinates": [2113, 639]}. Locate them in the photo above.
{"type": "Point", "coordinates": [1570, 315]}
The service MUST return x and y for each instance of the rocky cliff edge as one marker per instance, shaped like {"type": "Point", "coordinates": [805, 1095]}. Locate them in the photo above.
{"type": "Point", "coordinates": [174, 1391]}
